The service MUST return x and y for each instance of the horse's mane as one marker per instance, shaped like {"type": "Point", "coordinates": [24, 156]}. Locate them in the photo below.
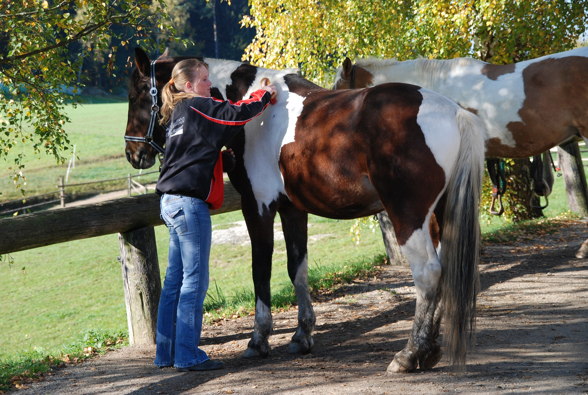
{"type": "Point", "coordinates": [431, 69]}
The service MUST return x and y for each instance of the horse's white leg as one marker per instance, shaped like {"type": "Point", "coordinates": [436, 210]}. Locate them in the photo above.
{"type": "Point", "coordinates": [295, 225]}
{"type": "Point", "coordinates": [261, 233]}
{"type": "Point", "coordinates": [422, 348]}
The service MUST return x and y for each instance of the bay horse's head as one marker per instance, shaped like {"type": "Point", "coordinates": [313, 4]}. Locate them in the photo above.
{"type": "Point", "coordinates": [352, 76]}
{"type": "Point", "coordinates": [144, 135]}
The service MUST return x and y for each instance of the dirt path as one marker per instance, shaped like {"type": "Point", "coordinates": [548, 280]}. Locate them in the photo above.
{"type": "Point", "coordinates": [531, 338]}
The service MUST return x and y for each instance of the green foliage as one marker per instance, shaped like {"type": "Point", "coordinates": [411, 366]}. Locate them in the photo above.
{"type": "Point", "coordinates": [42, 47]}
{"type": "Point", "coordinates": [317, 35]}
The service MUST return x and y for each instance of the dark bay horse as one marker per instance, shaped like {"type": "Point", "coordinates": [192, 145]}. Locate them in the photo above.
{"type": "Point", "coordinates": [348, 154]}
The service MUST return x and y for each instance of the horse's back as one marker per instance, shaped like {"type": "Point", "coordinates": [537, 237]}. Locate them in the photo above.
{"type": "Point", "coordinates": [351, 146]}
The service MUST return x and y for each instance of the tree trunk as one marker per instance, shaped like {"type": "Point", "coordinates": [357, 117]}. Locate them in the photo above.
{"type": "Point", "coordinates": [519, 192]}
{"type": "Point", "coordinates": [142, 283]}
{"type": "Point", "coordinates": [392, 248]}
{"type": "Point", "coordinates": [570, 162]}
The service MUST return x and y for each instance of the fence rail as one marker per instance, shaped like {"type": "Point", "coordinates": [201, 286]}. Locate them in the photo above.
{"type": "Point", "coordinates": [73, 223]}
{"type": "Point", "coordinates": [61, 196]}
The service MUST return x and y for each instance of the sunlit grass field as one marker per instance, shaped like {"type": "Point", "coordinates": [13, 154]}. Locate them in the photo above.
{"type": "Point", "coordinates": [96, 134]}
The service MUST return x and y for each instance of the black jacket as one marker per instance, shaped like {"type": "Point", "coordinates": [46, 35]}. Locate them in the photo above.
{"type": "Point", "coordinates": [199, 128]}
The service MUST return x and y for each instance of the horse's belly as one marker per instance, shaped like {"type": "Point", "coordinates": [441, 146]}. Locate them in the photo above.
{"type": "Point", "coordinates": [332, 195]}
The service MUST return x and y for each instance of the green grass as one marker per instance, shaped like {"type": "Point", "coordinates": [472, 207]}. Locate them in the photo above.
{"type": "Point", "coordinates": [57, 294]}
{"type": "Point", "coordinates": [97, 132]}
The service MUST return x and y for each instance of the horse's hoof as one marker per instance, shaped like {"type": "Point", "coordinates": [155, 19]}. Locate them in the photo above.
{"type": "Point", "coordinates": [301, 346]}
{"type": "Point", "coordinates": [253, 353]}
{"type": "Point", "coordinates": [431, 359]}
{"type": "Point", "coordinates": [402, 363]}
{"type": "Point", "coordinates": [583, 251]}
{"type": "Point", "coordinates": [255, 350]}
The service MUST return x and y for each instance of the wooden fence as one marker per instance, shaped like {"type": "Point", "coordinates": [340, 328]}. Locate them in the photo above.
{"type": "Point", "coordinates": [133, 218]}
{"type": "Point", "coordinates": [64, 195]}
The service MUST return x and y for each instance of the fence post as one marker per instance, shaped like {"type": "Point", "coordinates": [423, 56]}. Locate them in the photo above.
{"type": "Point", "coordinates": [390, 243]}
{"type": "Point", "coordinates": [129, 184]}
{"type": "Point", "coordinates": [570, 162]}
{"type": "Point", "coordinates": [61, 187]}
{"type": "Point", "coordinates": [142, 283]}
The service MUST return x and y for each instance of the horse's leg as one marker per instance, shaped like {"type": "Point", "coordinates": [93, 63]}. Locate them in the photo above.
{"type": "Point", "coordinates": [294, 225]}
{"type": "Point", "coordinates": [422, 348]}
{"type": "Point", "coordinates": [261, 233]}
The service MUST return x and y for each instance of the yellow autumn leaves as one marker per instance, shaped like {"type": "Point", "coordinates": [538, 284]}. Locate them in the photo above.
{"type": "Point", "coordinates": [317, 35]}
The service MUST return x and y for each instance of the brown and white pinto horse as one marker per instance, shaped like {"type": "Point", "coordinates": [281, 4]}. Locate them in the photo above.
{"type": "Point", "coordinates": [527, 107]}
{"type": "Point", "coordinates": [352, 153]}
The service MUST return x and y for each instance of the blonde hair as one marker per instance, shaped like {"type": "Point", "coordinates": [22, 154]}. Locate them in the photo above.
{"type": "Point", "coordinates": [184, 71]}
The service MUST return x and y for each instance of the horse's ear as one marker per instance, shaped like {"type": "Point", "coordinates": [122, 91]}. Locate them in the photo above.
{"type": "Point", "coordinates": [165, 54]}
{"type": "Point", "coordinates": [142, 61]}
{"type": "Point", "coordinates": [347, 65]}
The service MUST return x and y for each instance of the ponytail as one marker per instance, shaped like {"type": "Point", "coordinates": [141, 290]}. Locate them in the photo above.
{"type": "Point", "coordinates": [184, 71]}
{"type": "Point", "coordinates": [170, 96]}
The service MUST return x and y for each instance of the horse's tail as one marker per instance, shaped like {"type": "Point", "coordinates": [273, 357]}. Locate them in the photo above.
{"type": "Point", "coordinates": [460, 242]}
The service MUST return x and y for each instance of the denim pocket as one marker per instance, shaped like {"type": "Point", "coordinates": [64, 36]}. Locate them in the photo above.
{"type": "Point", "coordinates": [172, 213]}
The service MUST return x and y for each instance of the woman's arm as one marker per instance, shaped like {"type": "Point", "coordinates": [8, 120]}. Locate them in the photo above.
{"type": "Point", "coordinates": [234, 114]}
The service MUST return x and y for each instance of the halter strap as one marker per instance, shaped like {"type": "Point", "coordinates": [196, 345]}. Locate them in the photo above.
{"type": "Point", "coordinates": [148, 138]}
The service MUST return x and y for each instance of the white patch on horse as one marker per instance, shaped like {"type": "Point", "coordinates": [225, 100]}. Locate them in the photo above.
{"type": "Point", "coordinates": [265, 136]}
{"type": "Point", "coordinates": [294, 105]}
{"type": "Point", "coordinates": [425, 265]}
{"type": "Point", "coordinates": [496, 100]}
{"type": "Point", "coordinates": [263, 319]}
{"type": "Point", "coordinates": [220, 71]}
{"type": "Point", "coordinates": [441, 132]}
{"type": "Point", "coordinates": [466, 88]}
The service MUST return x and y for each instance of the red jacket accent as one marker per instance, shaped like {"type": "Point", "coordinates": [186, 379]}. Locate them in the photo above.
{"type": "Point", "coordinates": [217, 185]}
{"type": "Point", "coordinates": [255, 97]}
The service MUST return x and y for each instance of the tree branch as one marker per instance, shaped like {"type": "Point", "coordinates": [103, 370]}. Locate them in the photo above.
{"type": "Point", "coordinates": [22, 14]}
{"type": "Point", "coordinates": [82, 33]}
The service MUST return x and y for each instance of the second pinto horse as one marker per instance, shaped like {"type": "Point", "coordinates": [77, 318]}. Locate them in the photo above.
{"type": "Point", "coordinates": [527, 107]}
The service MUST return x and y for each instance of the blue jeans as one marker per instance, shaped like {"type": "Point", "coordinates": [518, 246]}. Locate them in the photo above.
{"type": "Point", "coordinates": [179, 318]}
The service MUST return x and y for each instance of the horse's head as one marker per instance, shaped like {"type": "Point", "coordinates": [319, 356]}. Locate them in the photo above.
{"type": "Point", "coordinates": [144, 135]}
{"type": "Point", "coordinates": [352, 76]}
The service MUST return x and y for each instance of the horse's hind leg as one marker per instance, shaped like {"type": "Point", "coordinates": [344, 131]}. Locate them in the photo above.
{"type": "Point", "coordinates": [422, 349]}
{"type": "Point", "coordinates": [294, 225]}
{"type": "Point", "coordinates": [261, 233]}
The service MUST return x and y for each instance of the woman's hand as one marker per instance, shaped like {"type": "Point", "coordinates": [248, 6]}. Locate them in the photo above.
{"type": "Point", "coordinates": [268, 86]}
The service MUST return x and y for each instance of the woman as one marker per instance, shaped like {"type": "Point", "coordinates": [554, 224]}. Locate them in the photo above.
{"type": "Point", "coordinates": [190, 184]}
